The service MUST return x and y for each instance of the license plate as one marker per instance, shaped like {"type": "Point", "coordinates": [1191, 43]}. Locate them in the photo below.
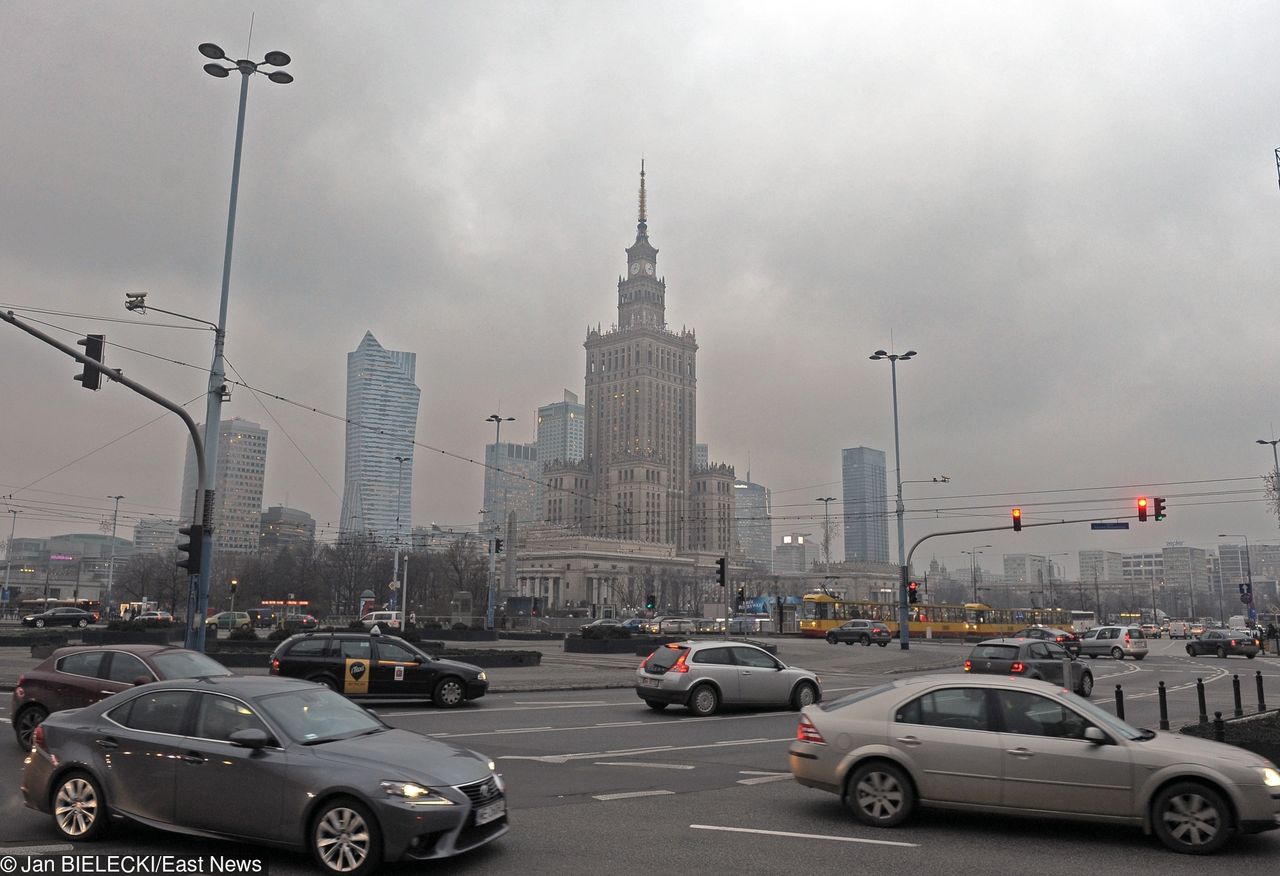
{"type": "Point", "coordinates": [645, 681]}
{"type": "Point", "coordinates": [492, 812]}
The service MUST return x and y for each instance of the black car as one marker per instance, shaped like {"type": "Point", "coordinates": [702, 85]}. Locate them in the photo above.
{"type": "Point", "coordinates": [67, 617]}
{"type": "Point", "coordinates": [264, 760]}
{"type": "Point", "coordinates": [1223, 643]}
{"type": "Point", "coordinates": [1070, 641]}
{"type": "Point", "coordinates": [862, 631]}
{"type": "Point", "coordinates": [377, 667]}
{"type": "Point", "coordinates": [1029, 658]}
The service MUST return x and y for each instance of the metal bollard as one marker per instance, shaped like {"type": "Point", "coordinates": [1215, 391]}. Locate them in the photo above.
{"type": "Point", "coordinates": [1235, 690]}
{"type": "Point", "coordinates": [1119, 703]}
{"type": "Point", "coordinates": [1219, 728]}
{"type": "Point", "coordinates": [1204, 714]}
{"type": "Point", "coordinates": [1164, 708]}
{"type": "Point", "coordinates": [1262, 701]}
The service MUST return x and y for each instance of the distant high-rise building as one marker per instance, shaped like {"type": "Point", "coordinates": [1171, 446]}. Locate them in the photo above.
{"type": "Point", "coordinates": [511, 477]}
{"type": "Point", "coordinates": [796, 553]}
{"type": "Point", "coordinates": [286, 527]}
{"type": "Point", "coordinates": [701, 456]}
{"type": "Point", "coordinates": [1234, 564]}
{"type": "Point", "coordinates": [1186, 570]}
{"type": "Point", "coordinates": [241, 470]}
{"type": "Point", "coordinates": [754, 527]}
{"type": "Point", "coordinates": [561, 437]}
{"type": "Point", "coordinates": [382, 420]}
{"type": "Point", "coordinates": [1101, 566]}
{"type": "Point", "coordinates": [153, 535]}
{"type": "Point", "coordinates": [866, 522]}
{"type": "Point", "coordinates": [1026, 572]}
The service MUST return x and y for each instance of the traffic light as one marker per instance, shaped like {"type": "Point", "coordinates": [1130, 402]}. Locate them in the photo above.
{"type": "Point", "coordinates": [650, 602]}
{"type": "Point", "coordinates": [195, 539]}
{"type": "Point", "coordinates": [1016, 513]}
{"type": "Point", "coordinates": [1159, 508]}
{"type": "Point", "coordinates": [497, 545]}
{"type": "Point", "coordinates": [91, 378]}
{"type": "Point", "coordinates": [235, 585]}
{"type": "Point", "coordinates": [742, 596]}
{"type": "Point", "coordinates": [1142, 509]}
{"type": "Point", "coordinates": [912, 596]}
{"type": "Point", "coordinates": [722, 571]}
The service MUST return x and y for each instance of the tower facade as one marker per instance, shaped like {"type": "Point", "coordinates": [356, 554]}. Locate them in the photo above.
{"type": "Point", "coordinates": [641, 401]}
{"type": "Point", "coordinates": [866, 522]}
{"type": "Point", "coordinates": [382, 419]}
{"type": "Point", "coordinates": [237, 500]}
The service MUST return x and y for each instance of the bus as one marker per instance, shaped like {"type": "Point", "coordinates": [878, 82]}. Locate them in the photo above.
{"type": "Point", "coordinates": [1082, 620]}
{"type": "Point", "coordinates": [821, 612]}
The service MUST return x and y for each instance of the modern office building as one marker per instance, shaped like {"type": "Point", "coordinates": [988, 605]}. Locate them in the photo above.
{"type": "Point", "coordinates": [155, 535]}
{"type": "Point", "coordinates": [701, 456]}
{"type": "Point", "coordinates": [1024, 572]}
{"type": "Point", "coordinates": [238, 482]}
{"type": "Point", "coordinates": [751, 513]}
{"type": "Point", "coordinates": [796, 553]}
{"type": "Point", "coordinates": [866, 520]}
{"type": "Point", "coordinates": [561, 435]}
{"type": "Point", "coordinates": [1140, 566]}
{"type": "Point", "coordinates": [511, 478]}
{"type": "Point", "coordinates": [1101, 566]}
{"type": "Point", "coordinates": [283, 527]}
{"type": "Point", "coordinates": [382, 420]}
{"type": "Point", "coordinates": [1233, 565]}
{"type": "Point", "coordinates": [1186, 570]}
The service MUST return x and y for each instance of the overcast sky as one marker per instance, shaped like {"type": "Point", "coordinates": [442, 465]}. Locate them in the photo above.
{"type": "Point", "coordinates": [1069, 209]}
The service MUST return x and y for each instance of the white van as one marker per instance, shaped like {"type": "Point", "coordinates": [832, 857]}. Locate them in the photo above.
{"type": "Point", "coordinates": [1179, 630]}
{"type": "Point", "coordinates": [382, 619]}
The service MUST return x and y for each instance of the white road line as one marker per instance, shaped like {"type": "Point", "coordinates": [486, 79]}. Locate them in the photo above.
{"type": "Point", "coordinates": [562, 703]}
{"type": "Point", "coordinates": [762, 780]}
{"type": "Point", "coordinates": [655, 766]}
{"type": "Point", "coordinates": [841, 839]}
{"type": "Point", "coordinates": [461, 735]}
{"type": "Point", "coordinates": [587, 755]}
{"type": "Point", "coordinates": [37, 850]}
{"type": "Point", "coordinates": [627, 794]}
{"type": "Point", "coordinates": [761, 773]}
{"type": "Point", "coordinates": [449, 713]}
{"type": "Point", "coordinates": [621, 724]}
{"type": "Point", "coordinates": [5, 721]}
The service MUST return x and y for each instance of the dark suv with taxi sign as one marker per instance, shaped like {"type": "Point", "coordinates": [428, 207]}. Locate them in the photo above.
{"type": "Point", "coordinates": [376, 667]}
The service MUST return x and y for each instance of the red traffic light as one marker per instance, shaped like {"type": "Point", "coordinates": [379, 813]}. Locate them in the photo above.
{"type": "Point", "coordinates": [1142, 509]}
{"type": "Point", "coordinates": [1016, 513]}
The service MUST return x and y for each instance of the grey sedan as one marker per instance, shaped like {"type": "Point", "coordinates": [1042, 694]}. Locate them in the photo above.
{"type": "Point", "coordinates": [702, 676]}
{"type": "Point", "coordinates": [1010, 746]}
{"type": "Point", "coordinates": [267, 760]}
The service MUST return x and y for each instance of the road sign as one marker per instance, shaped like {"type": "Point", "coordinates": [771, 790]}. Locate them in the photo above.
{"type": "Point", "coordinates": [1119, 525]}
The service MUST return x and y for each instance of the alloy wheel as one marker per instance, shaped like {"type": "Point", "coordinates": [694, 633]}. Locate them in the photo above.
{"type": "Point", "coordinates": [76, 806]}
{"type": "Point", "coordinates": [342, 839]}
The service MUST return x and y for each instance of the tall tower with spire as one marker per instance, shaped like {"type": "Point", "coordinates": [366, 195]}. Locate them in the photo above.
{"type": "Point", "coordinates": [641, 417]}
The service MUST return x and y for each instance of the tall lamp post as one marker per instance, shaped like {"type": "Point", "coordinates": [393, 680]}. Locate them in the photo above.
{"type": "Point", "coordinates": [217, 371]}
{"type": "Point", "coordinates": [497, 421]}
{"type": "Point", "coordinates": [8, 550]}
{"type": "Point", "coordinates": [973, 568]}
{"type": "Point", "coordinates": [826, 528]}
{"type": "Point", "coordinates": [904, 633]}
{"type": "Point", "coordinates": [111, 568]}
{"type": "Point", "coordinates": [1049, 558]}
{"type": "Point", "coordinates": [404, 605]}
{"type": "Point", "coordinates": [1248, 563]}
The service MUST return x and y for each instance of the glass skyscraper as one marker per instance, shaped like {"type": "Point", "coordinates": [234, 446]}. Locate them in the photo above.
{"type": "Point", "coordinates": [866, 505]}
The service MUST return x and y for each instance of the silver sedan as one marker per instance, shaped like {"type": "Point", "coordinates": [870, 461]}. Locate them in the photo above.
{"type": "Point", "coordinates": [1019, 747]}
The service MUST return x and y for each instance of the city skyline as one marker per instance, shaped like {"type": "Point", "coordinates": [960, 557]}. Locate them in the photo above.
{"type": "Point", "coordinates": [1078, 265]}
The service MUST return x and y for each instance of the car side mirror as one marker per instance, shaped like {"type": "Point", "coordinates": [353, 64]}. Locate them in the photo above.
{"type": "Point", "coordinates": [1094, 735]}
{"type": "Point", "coordinates": [251, 737]}
{"type": "Point", "coordinates": [142, 679]}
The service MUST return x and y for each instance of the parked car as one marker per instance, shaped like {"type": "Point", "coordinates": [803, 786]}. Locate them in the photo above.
{"type": "Point", "coordinates": [61, 617]}
{"type": "Point", "coordinates": [703, 676]}
{"type": "Point", "coordinates": [668, 626]}
{"type": "Point", "coordinates": [1029, 658]}
{"type": "Point", "coordinates": [163, 617]}
{"type": "Point", "coordinates": [1151, 631]}
{"type": "Point", "coordinates": [1067, 640]}
{"type": "Point", "coordinates": [863, 632]}
{"type": "Point", "coordinates": [1012, 746]}
{"type": "Point", "coordinates": [241, 758]}
{"type": "Point", "coordinates": [377, 667]}
{"type": "Point", "coordinates": [1224, 643]}
{"type": "Point", "coordinates": [74, 677]}
{"type": "Point", "coordinates": [600, 624]}
{"type": "Point", "coordinates": [1114, 641]}
{"type": "Point", "coordinates": [386, 620]}
{"type": "Point", "coordinates": [229, 620]}
{"type": "Point", "coordinates": [300, 622]}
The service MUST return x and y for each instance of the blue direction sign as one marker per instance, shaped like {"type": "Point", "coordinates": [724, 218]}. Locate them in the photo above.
{"type": "Point", "coordinates": [1119, 525]}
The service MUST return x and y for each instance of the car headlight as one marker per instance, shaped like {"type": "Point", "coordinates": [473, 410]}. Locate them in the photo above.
{"type": "Point", "coordinates": [415, 793]}
{"type": "Point", "coordinates": [1270, 777]}
{"type": "Point", "coordinates": [482, 677]}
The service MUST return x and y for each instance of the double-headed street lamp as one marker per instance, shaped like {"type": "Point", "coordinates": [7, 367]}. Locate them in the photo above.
{"type": "Point", "coordinates": [217, 371]}
{"type": "Point", "coordinates": [973, 567]}
{"type": "Point", "coordinates": [497, 420]}
{"type": "Point", "coordinates": [826, 527]}
{"type": "Point", "coordinates": [904, 633]}
{"type": "Point", "coordinates": [404, 605]}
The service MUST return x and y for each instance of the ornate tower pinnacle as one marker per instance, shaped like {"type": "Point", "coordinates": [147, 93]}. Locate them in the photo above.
{"type": "Point", "coordinates": [642, 225]}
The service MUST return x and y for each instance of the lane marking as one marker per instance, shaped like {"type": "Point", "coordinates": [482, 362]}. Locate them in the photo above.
{"type": "Point", "coordinates": [657, 723]}
{"type": "Point", "coordinates": [655, 766]}
{"type": "Point", "coordinates": [621, 724]}
{"type": "Point", "coordinates": [37, 850]}
{"type": "Point", "coordinates": [761, 773]}
{"type": "Point", "coordinates": [562, 703]}
{"type": "Point", "coordinates": [763, 780]}
{"type": "Point", "coordinates": [446, 713]}
{"type": "Point", "coordinates": [818, 836]}
{"type": "Point", "coordinates": [587, 755]}
{"type": "Point", "coordinates": [627, 794]}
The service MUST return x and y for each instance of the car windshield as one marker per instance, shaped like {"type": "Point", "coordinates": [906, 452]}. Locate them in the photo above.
{"type": "Point", "coordinates": [187, 664]}
{"type": "Point", "coordinates": [1108, 720]}
{"type": "Point", "coordinates": [320, 715]}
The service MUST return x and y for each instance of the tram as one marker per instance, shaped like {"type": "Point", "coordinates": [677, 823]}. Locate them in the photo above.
{"type": "Point", "coordinates": [820, 612]}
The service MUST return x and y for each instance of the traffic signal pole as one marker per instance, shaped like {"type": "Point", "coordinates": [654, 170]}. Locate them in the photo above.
{"type": "Point", "coordinates": [195, 624]}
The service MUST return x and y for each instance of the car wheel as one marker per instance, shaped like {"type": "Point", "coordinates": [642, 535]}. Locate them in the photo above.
{"type": "Point", "coordinates": [326, 680]}
{"type": "Point", "coordinates": [655, 705]}
{"type": "Point", "coordinates": [865, 640]}
{"type": "Point", "coordinates": [831, 638]}
{"type": "Point", "coordinates": [704, 701]}
{"type": "Point", "coordinates": [1221, 652]}
{"type": "Point", "coordinates": [39, 622]}
{"type": "Point", "coordinates": [879, 794]}
{"type": "Point", "coordinates": [1139, 657]}
{"type": "Point", "coordinates": [26, 722]}
{"type": "Point", "coordinates": [805, 694]}
{"type": "Point", "coordinates": [79, 810]}
{"type": "Point", "coordinates": [1117, 653]}
{"type": "Point", "coordinates": [882, 644]}
{"type": "Point", "coordinates": [1251, 656]}
{"type": "Point", "coordinates": [1191, 652]}
{"type": "Point", "coordinates": [449, 693]}
{"type": "Point", "coordinates": [1086, 684]}
{"type": "Point", "coordinates": [345, 839]}
{"type": "Point", "coordinates": [246, 626]}
{"type": "Point", "coordinates": [82, 623]}
{"type": "Point", "coordinates": [1191, 818]}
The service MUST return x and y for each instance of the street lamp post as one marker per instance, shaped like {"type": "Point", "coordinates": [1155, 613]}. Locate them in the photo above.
{"type": "Point", "coordinates": [497, 421]}
{"type": "Point", "coordinates": [826, 528]}
{"type": "Point", "coordinates": [904, 632]}
{"type": "Point", "coordinates": [1248, 562]}
{"type": "Point", "coordinates": [111, 568]}
{"type": "Point", "coordinates": [1051, 603]}
{"type": "Point", "coordinates": [217, 370]}
{"type": "Point", "coordinates": [973, 568]}
{"type": "Point", "coordinates": [404, 605]}
{"type": "Point", "coordinates": [8, 550]}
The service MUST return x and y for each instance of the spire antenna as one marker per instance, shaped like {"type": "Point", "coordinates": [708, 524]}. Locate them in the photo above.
{"type": "Point", "coordinates": [642, 210]}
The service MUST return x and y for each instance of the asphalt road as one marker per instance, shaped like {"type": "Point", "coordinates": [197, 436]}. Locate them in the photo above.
{"type": "Point", "coordinates": [596, 780]}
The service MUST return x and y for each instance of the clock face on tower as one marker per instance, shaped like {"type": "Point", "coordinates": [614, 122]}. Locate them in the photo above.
{"type": "Point", "coordinates": [635, 267]}
{"type": "Point", "coordinates": [648, 269]}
